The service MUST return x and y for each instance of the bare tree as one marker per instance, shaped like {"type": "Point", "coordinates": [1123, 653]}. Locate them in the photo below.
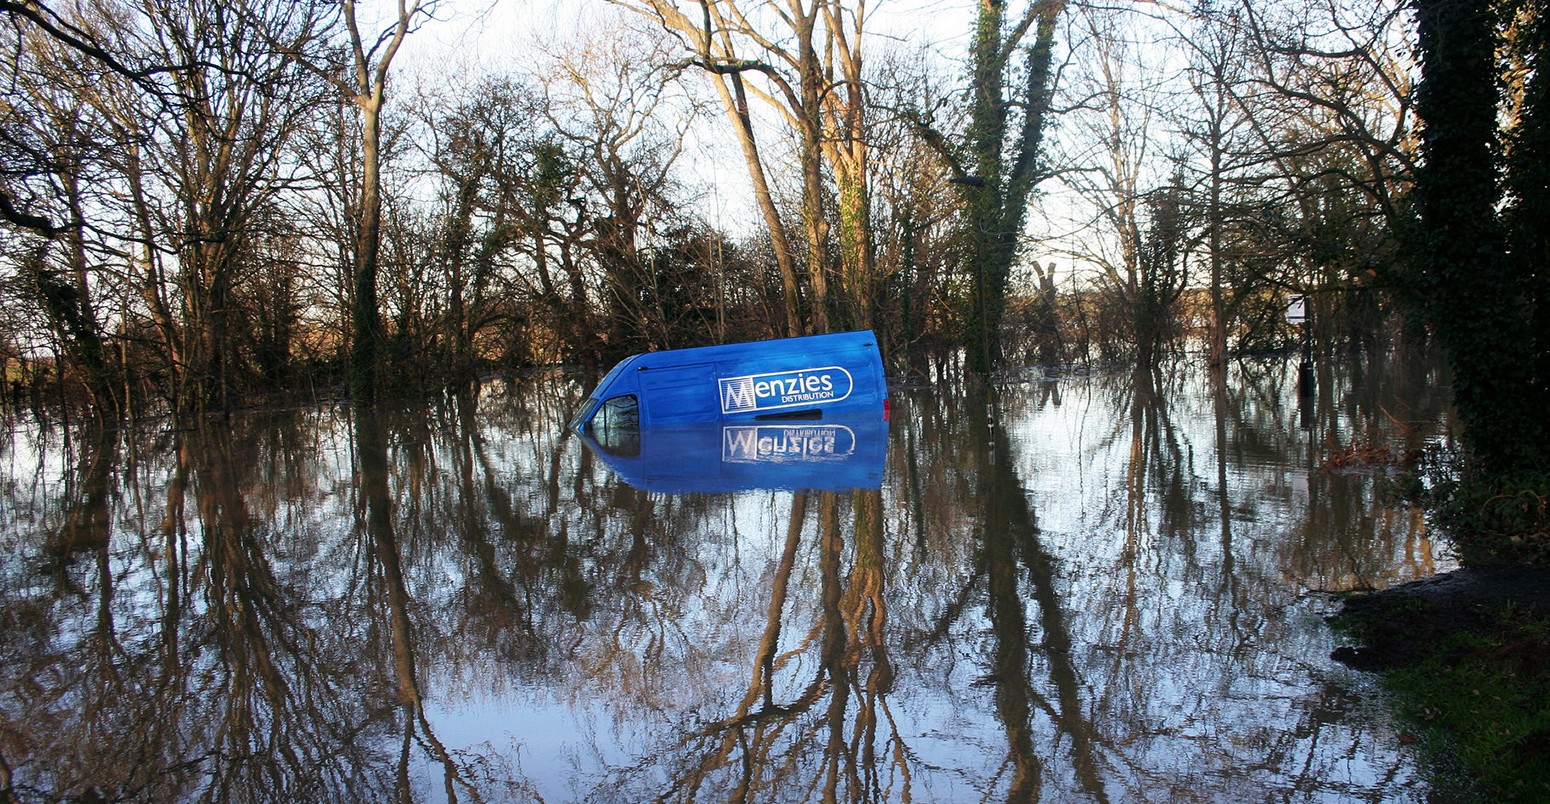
{"type": "Point", "coordinates": [1134, 233]}
{"type": "Point", "coordinates": [607, 98]}
{"type": "Point", "coordinates": [916, 213]}
{"type": "Point", "coordinates": [1328, 99]}
{"type": "Point", "coordinates": [807, 65]}
{"type": "Point", "coordinates": [161, 172]}
{"type": "Point", "coordinates": [372, 59]}
{"type": "Point", "coordinates": [1216, 49]}
{"type": "Point", "coordinates": [222, 155]}
{"type": "Point", "coordinates": [93, 51]}
{"type": "Point", "coordinates": [59, 165]}
{"type": "Point", "coordinates": [361, 78]}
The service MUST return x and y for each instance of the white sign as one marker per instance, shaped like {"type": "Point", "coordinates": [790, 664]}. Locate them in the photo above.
{"type": "Point", "coordinates": [1297, 309]}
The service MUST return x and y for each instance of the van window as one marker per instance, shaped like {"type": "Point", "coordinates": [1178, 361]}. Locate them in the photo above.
{"type": "Point", "coordinates": [620, 412]}
{"type": "Point", "coordinates": [616, 426]}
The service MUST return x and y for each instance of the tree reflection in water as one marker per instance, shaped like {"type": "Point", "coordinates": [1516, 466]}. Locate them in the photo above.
{"type": "Point", "coordinates": [1096, 589]}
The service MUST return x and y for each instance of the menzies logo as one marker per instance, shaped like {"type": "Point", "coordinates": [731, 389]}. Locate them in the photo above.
{"type": "Point", "coordinates": [784, 389]}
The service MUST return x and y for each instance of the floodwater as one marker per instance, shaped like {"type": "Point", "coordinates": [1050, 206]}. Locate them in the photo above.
{"type": "Point", "coordinates": [1100, 587]}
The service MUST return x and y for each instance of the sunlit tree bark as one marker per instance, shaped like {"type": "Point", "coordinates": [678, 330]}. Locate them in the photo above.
{"type": "Point", "coordinates": [847, 142]}
{"type": "Point", "coordinates": [808, 70]}
{"type": "Point", "coordinates": [708, 29]}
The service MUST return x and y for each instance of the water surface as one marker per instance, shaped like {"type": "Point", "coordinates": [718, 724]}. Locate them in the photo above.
{"type": "Point", "coordinates": [1101, 587]}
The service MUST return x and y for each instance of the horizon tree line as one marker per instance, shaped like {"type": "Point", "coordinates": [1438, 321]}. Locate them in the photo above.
{"type": "Point", "coordinates": [211, 203]}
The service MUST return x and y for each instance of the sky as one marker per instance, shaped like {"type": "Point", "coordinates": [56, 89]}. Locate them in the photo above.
{"type": "Point", "coordinates": [490, 32]}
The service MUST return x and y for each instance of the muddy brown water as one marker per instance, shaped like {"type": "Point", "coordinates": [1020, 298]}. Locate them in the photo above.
{"type": "Point", "coordinates": [1101, 586]}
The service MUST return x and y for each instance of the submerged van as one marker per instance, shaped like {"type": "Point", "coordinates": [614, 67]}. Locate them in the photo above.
{"type": "Point", "coordinates": [789, 378]}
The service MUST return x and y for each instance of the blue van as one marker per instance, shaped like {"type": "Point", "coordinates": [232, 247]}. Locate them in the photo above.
{"type": "Point", "coordinates": [789, 378]}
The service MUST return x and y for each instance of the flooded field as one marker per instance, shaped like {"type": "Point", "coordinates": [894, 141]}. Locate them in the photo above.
{"type": "Point", "coordinates": [1106, 586]}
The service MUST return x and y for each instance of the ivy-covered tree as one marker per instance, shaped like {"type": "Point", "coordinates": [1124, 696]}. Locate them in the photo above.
{"type": "Point", "coordinates": [1481, 250]}
{"type": "Point", "coordinates": [1002, 150]}
{"type": "Point", "coordinates": [1481, 304]}
{"type": "Point", "coordinates": [1527, 182]}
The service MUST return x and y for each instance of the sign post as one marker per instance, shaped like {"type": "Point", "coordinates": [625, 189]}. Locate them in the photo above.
{"type": "Point", "coordinates": [1297, 313]}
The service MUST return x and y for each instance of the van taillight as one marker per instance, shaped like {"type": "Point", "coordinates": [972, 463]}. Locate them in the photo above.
{"type": "Point", "coordinates": [887, 409]}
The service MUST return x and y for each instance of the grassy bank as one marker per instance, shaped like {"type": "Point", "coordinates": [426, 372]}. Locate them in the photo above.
{"type": "Point", "coordinates": [1466, 658]}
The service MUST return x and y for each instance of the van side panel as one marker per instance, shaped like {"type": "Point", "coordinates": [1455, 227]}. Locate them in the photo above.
{"type": "Point", "coordinates": [678, 393]}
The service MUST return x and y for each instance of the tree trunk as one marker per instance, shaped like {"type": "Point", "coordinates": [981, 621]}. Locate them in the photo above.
{"type": "Point", "coordinates": [1005, 172]}
{"type": "Point", "coordinates": [735, 101]}
{"type": "Point", "coordinates": [365, 312]}
{"type": "Point", "coordinates": [814, 223]}
{"type": "Point", "coordinates": [1217, 353]}
{"type": "Point", "coordinates": [455, 256]}
{"type": "Point", "coordinates": [1476, 304]}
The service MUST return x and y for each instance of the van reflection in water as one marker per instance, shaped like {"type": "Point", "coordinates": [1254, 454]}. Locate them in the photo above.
{"type": "Point", "coordinates": [787, 442]}
{"type": "Point", "coordinates": [820, 456]}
